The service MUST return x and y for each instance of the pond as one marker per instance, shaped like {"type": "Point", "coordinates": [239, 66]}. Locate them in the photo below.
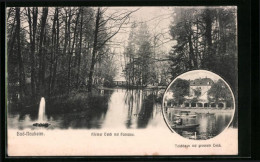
{"type": "Point", "coordinates": [116, 108]}
{"type": "Point", "coordinates": [210, 124]}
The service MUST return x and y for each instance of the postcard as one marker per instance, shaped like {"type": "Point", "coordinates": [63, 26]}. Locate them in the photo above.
{"type": "Point", "coordinates": [120, 81]}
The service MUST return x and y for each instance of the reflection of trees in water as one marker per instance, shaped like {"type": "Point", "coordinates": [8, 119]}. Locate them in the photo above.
{"type": "Point", "coordinates": [227, 119]}
{"type": "Point", "coordinates": [210, 125]}
{"type": "Point", "coordinates": [88, 113]}
{"type": "Point", "coordinates": [141, 105]}
{"type": "Point", "coordinates": [220, 122]}
{"type": "Point", "coordinates": [145, 112]}
{"type": "Point", "coordinates": [82, 111]}
{"type": "Point", "coordinates": [21, 110]}
{"type": "Point", "coordinates": [170, 115]}
{"type": "Point", "coordinates": [133, 98]}
{"type": "Point", "coordinates": [129, 100]}
{"type": "Point", "coordinates": [203, 121]}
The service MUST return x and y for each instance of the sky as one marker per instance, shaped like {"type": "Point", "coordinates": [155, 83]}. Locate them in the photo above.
{"type": "Point", "coordinates": [199, 74]}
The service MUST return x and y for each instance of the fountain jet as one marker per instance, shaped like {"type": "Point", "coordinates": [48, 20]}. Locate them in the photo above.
{"type": "Point", "coordinates": [41, 114]}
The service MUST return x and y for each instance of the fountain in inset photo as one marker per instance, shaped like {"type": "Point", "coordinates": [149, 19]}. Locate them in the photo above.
{"type": "Point", "coordinates": [41, 115]}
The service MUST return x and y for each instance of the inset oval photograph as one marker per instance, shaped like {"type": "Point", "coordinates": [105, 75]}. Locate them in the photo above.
{"type": "Point", "coordinates": [198, 105]}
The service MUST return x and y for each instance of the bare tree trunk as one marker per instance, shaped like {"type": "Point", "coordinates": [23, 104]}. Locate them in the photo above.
{"type": "Point", "coordinates": [208, 35]}
{"type": "Point", "coordinates": [40, 88]}
{"type": "Point", "coordinates": [222, 36]}
{"type": "Point", "coordinates": [133, 70]}
{"type": "Point", "coordinates": [11, 41]}
{"type": "Point", "coordinates": [90, 80]}
{"type": "Point", "coordinates": [71, 52]}
{"type": "Point", "coordinates": [80, 45]}
{"type": "Point", "coordinates": [56, 57]}
{"type": "Point", "coordinates": [53, 50]}
{"type": "Point", "coordinates": [191, 52]}
{"type": "Point", "coordinates": [69, 39]}
{"type": "Point", "coordinates": [46, 43]}
{"type": "Point", "coordinates": [198, 54]}
{"type": "Point", "coordinates": [32, 27]}
{"type": "Point", "coordinates": [33, 78]}
{"type": "Point", "coordinates": [20, 61]}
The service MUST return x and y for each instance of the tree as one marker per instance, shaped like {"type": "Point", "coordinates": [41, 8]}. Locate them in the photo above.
{"type": "Point", "coordinates": [106, 69]}
{"type": "Point", "coordinates": [219, 91]}
{"type": "Point", "coordinates": [75, 35]}
{"type": "Point", "coordinates": [42, 42]}
{"type": "Point", "coordinates": [182, 30]}
{"type": "Point", "coordinates": [129, 55]}
{"type": "Point", "coordinates": [32, 21]}
{"type": "Point", "coordinates": [19, 53]}
{"type": "Point", "coordinates": [139, 54]}
{"type": "Point", "coordinates": [202, 37]}
{"type": "Point", "coordinates": [80, 45]}
{"type": "Point", "coordinates": [54, 52]}
{"type": "Point", "coordinates": [197, 92]}
{"type": "Point", "coordinates": [180, 89]}
{"type": "Point", "coordinates": [90, 80]}
{"type": "Point", "coordinates": [144, 62]}
{"type": "Point", "coordinates": [104, 33]}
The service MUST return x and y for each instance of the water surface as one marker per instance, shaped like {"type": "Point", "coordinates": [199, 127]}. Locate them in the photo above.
{"type": "Point", "coordinates": [118, 108]}
{"type": "Point", "coordinates": [210, 124]}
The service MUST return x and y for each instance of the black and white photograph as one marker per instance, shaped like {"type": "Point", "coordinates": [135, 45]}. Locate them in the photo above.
{"type": "Point", "coordinates": [85, 67]}
{"type": "Point", "coordinates": [82, 78]}
{"type": "Point", "coordinates": [199, 105]}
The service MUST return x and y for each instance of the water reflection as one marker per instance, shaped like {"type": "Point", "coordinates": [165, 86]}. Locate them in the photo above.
{"type": "Point", "coordinates": [118, 108]}
{"type": "Point", "coordinates": [210, 124]}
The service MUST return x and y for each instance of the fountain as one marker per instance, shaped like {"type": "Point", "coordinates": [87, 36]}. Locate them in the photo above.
{"type": "Point", "coordinates": [41, 115]}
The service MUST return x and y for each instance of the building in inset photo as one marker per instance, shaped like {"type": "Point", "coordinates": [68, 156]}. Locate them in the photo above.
{"type": "Point", "coordinates": [198, 107]}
